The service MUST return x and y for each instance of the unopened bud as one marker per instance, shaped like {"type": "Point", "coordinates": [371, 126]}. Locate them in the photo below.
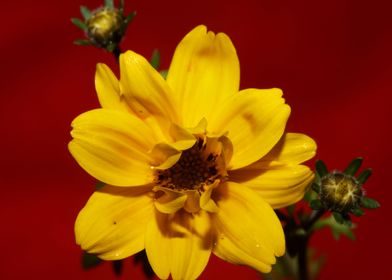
{"type": "Point", "coordinates": [104, 27]}
{"type": "Point", "coordinates": [340, 192]}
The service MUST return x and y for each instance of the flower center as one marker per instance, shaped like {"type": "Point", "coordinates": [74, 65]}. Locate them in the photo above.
{"type": "Point", "coordinates": [199, 166]}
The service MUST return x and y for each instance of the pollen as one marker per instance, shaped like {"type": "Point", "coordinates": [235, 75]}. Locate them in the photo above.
{"type": "Point", "coordinates": [197, 167]}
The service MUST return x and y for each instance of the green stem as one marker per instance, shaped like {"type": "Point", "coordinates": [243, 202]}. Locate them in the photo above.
{"type": "Point", "coordinates": [316, 214]}
{"type": "Point", "coordinates": [116, 53]}
{"type": "Point", "coordinates": [303, 269]}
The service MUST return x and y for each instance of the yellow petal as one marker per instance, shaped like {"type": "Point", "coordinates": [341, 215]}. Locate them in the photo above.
{"type": "Point", "coordinates": [113, 222]}
{"type": "Point", "coordinates": [248, 231]}
{"type": "Point", "coordinates": [108, 90]}
{"type": "Point", "coordinates": [204, 72]}
{"type": "Point", "coordinates": [293, 148]}
{"type": "Point", "coordinates": [255, 121]}
{"type": "Point", "coordinates": [143, 87]}
{"type": "Point", "coordinates": [179, 244]}
{"type": "Point", "coordinates": [183, 139]}
{"type": "Point", "coordinates": [280, 187]}
{"type": "Point", "coordinates": [113, 146]}
{"type": "Point", "coordinates": [169, 201]}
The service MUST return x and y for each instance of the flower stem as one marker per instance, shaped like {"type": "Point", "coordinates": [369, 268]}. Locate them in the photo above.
{"type": "Point", "coordinates": [116, 53]}
{"type": "Point", "coordinates": [316, 214]}
{"type": "Point", "coordinates": [303, 271]}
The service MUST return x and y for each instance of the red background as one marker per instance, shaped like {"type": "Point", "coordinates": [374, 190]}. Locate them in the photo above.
{"type": "Point", "coordinates": [332, 59]}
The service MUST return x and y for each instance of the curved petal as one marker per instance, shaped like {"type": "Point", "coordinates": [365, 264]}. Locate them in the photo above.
{"type": "Point", "coordinates": [179, 244]}
{"type": "Point", "coordinates": [204, 72]}
{"type": "Point", "coordinates": [108, 89]}
{"type": "Point", "coordinates": [279, 187]}
{"type": "Point", "coordinates": [255, 120]}
{"type": "Point", "coordinates": [113, 222]}
{"type": "Point", "coordinates": [248, 231]}
{"type": "Point", "coordinates": [113, 146]}
{"type": "Point", "coordinates": [292, 148]}
{"type": "Point", "coordinates": [169, 201]}
{"type": "Point", "coordinates": [143, 87]}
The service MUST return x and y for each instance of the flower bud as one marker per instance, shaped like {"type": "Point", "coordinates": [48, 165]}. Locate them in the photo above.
{"type": "Point", "coordinates": [340, 192]}
{"type": "Point", "coordinates": [104, 27]}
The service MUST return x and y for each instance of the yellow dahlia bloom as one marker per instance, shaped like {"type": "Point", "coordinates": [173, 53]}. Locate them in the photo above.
{"type": "Point", "coordinates": [192, 165]}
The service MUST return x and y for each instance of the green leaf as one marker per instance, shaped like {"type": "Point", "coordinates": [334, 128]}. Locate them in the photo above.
{"type": "Point", "coordinates": [109, 4]}
{"type": "Point", "coordinates": [99, 185]}
{"type": "Point", "coordinates": [85, 12]}
{"type": "Point", "coordinates": [353, 167]}
{"type": "Point", "coordinates": [321, 168]}
{"type": "Point", "coordinates": [316, 204]}
{"type": "Point", "coordinates": [357, 212]}
{"type": "Point", "coordinates": [336, 228]}
{"type": "Point", "coordinates": [315, 263]}
{"type": "Point", "coordinates": [362, 178]}
{"type": "Point", "coordinates": [79, 23]}
{"type": "Point", "coordinates": [163, 73]}
{"type": "Point", "coordinates": [82, 42]}
{"type": "Point", "coordinates": [90, 260]}
{"type": "Point", "coordinates": [369, 203]}
{"type": "Point", "coordinates": [155, 59]}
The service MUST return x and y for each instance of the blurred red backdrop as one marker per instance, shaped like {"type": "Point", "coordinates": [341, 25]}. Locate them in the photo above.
{"type": "Point", "coordinates": [332, 59]}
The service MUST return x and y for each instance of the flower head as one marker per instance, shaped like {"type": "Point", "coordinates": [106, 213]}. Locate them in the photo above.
{"type": "Point", "coordinates": [104, 27]}
{"type": "Point", "coordinates": [341, 192]}
{"type": "Point", "coordinates": [192, 165]}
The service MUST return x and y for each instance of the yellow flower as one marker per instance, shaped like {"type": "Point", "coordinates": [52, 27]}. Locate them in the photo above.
{"type": "Point", "coordinates": [192, 164]}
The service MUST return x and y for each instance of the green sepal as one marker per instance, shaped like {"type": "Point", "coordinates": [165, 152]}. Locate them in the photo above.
{"type": "Point", "coordinates": [362, 178]}
{"type": "Point", "coordinates": [109, 4]}
{"type": "Point", "coordinates": [117, 266]}
{"type": "Point", "coordinates": [337, 229]}
{"type": "Point", "coordinates": [90, 260]}
{"type": "Point", "coordinates": [321, 168]}
{"type": "Point", "coordinates": [85, 12]}
{"type": "Point", "coordinates": [338, 217]}
{"type": "Point", "coordinates": [79, 23]}
{"type": "Point", "coordinates": [99, 185]}
{"type": "Point", "coordinates": [357, 212]}
{"type": "Point", "coordinates": [111, 47]}
{"type": "Point", "coordinates": [82, 42]}
{"type": "Point", "coordinates": [163, 73]}
{"type": "Point", "coordinates": [369, 203]}
{"type": "Point", "coordinates": [316, 187]}
{"type": "Point", "coordinates": [121, 7]}
{"type": "Point", "coordinates": [316, 204]}
{"type": "Point", "coordinates": [155, 59]}
{"type": "Point", "coordinates": [129, 18]}
{"type": "Point", "coordinates": [353, 167]}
